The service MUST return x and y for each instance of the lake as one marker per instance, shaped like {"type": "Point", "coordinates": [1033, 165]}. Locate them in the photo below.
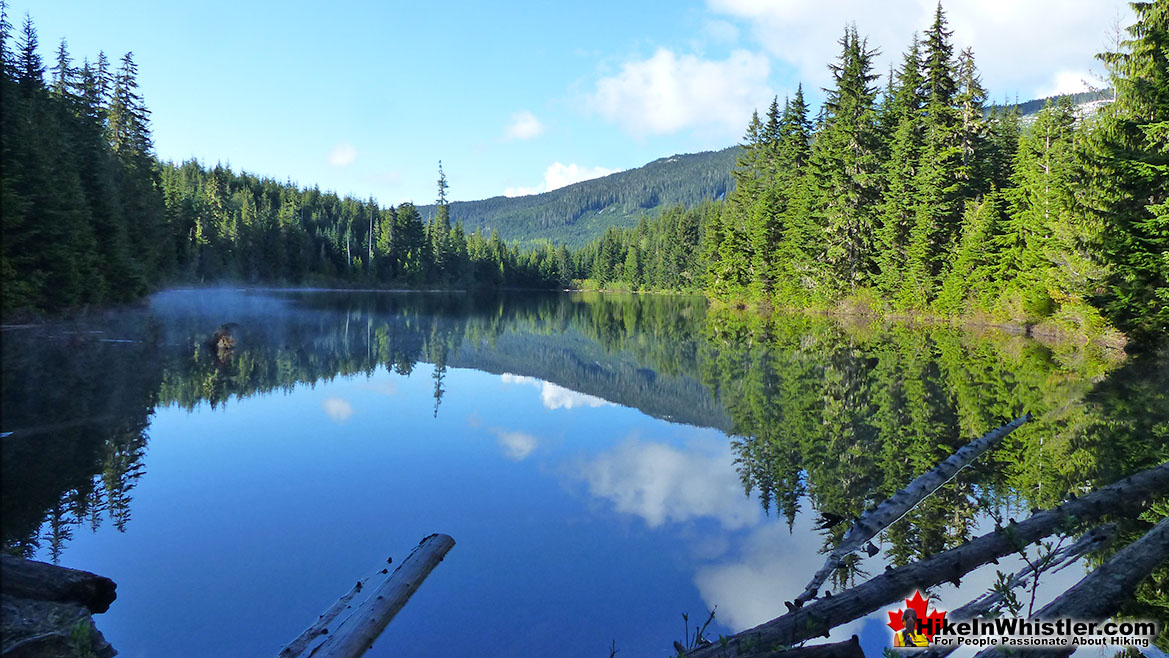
{"type": "Point", "coordinates": [605, 463]}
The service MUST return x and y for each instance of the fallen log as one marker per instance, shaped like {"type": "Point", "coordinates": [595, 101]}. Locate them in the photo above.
{"type": "Point", "coordinates": [987, 604]}
{"type": "Point", "coordinates": [357, 625]}
{"type": "Point", "coordinates": [871, 523]}
{"type": "Point", "coordinates": [816, 619]}
{"type": "Point", "coordinates": [1101, 593]}
{"type": "Point", "coordinates": [850, 648]}
{"type": "Point", "coordinates": [40, 581]}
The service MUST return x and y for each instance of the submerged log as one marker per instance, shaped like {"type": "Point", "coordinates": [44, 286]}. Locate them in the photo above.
{"type": "Point", "coordinates": [29, 579]}
{"type": "Point", "coordinates": [816, 619]}
{"type": "Point", "coordinates": [1100, 594]}
{"type": "Point", "coordinates": [871, 523]}
{"type": "Point", "coordinates": [360, 624]}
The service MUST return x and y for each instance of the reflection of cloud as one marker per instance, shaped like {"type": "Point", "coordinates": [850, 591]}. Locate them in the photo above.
{"type": "Point", "coordinates": [772, 566]}
{"type": "Point", "coordinates": [339, 410]}
{"type": "Point", "coordinates": [385, 387]}
{"type": "Point", "coordinates": [661, 483]}
{"type": "Point", "coordinates": [516, 445]}
{"type": "Point", "coordinates": [556, 397]}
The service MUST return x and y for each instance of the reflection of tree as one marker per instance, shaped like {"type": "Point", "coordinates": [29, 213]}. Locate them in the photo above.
{"type": "Point", "coordinates": [77, 400]}
{"type": "Point", "coordinates": [81, 406]}
{"type": "Point", "coordinates": [850, 414]}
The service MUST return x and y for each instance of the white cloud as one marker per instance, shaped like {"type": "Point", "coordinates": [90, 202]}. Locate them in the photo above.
{"type": "Point", "coordinates": [1013, 54]}
{"type": "Point", "coordinates": [662, 483]}
{"type": "Point", "coordinates": [1067, 82]}
{"type": "Point", "coordinates": [338, 409]}
{"type": "Point", "coordinates": [720, 31]}
{"type": "Point", "coordinates": [553, 396]}
{"type": "Point", "coordinates": [558, 175]}
{"type": "Point", "coordinates": [668, 93]}
{"type": "Point", "coordinates": [343, 155]}
{"type": "Point", "coordinates": [516, 445]}
{"type": "Point", "coordinates": [524, 125]}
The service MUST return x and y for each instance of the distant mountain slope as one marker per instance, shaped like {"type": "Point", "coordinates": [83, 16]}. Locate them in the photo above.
{"type": "Point", "coordinates": [580, 212]}
{"type": "Point", "coordinates": [1086, 101]}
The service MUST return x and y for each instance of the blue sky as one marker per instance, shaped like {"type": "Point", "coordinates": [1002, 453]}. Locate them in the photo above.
{"type": "Point", "coordinates": [365, 98]}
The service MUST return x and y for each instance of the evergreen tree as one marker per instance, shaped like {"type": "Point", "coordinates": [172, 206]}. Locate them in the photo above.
{"type": "Point", "coordinates": [898, 203]}
{"type": "Point", "coordinates": [846, 161]}
{"type": "Point", "coordinates": [1125, 165]}
{"type": "Point", "coordinates": [937, 191]}
{"type": "Point", "coordinates": [30, 69]}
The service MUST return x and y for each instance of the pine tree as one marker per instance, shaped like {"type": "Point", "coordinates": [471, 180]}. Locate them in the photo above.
{"type": "Point", "coordinates": [30, 69]}
{"type": "Point", "coordinates": [1032, 263]}
{"type": "Point", "coordinates": [846, 160]}
{"type": "Point", "coordinates": [973, 132]}
{"type": "Point", "coordinates": [898, 203]}
{"type": "Point", "coordinates": [1126, 165]}
{"type": "Point", "coordinates": [938, 205]}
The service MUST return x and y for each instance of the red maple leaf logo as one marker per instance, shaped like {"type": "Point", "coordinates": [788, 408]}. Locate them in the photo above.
{"type": "Point", "coordinates": [930, 621]}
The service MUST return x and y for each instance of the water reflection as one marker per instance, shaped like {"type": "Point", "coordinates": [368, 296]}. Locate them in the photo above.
{"type": "Point", "coordinates": [565, 423]}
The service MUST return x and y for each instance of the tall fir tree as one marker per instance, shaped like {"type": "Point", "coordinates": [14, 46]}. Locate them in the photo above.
{"type": "Point", "coordinates": [898, 203]}
{"type": "Point", "coordinates": [846, 160]}
{"type": "Point", "coordinates": [1125, 168]}
{"type": "Point", "coordinates": [937, 207]}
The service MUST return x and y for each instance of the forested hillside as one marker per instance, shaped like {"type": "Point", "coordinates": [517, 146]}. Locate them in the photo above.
{"type": "Point", "coordinates": [90, 216]}
{"type": "Point", "coordinates": [580, 212]}
{"type": "Point", "coordinates": [79, 205]}
{"type": "Point", "coordinates": [911, 198]}
{"type": "Point", "coordinates": [908, 196]}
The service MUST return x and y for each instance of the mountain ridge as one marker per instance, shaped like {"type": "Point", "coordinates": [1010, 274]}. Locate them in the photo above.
{"type": "Point", "coordinates": [577, 213]}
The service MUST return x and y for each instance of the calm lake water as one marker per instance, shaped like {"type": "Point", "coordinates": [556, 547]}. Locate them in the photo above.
{"type": "Point", "coordinates": [604, 463]}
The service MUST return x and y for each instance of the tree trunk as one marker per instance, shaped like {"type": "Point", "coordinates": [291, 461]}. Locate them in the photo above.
{"type": "Point", "coordinates": [871, 523]}
{"type": "Point", "coordinates": [1130, 494]}
{"type": "Point", "coordinates": [29, 579]}
{"type": "Point", "coordinates": [353, 635]}
{"type": "Point", "coordinates": [850, 648]}
{"type": "Point", "coordinates": [1101, 593]}
{"type": "Point", "coordinates": [986, 604]}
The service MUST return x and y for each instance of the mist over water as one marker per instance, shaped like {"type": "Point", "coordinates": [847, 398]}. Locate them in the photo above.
{"type": "Point", "coordinates": [604, 463]}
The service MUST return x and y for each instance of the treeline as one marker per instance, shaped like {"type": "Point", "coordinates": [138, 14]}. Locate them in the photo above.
{"type": "Point", "coordinates": [238, 227]}
{"type": "Point", "coordinates": [90, 216]}
{"type": "Point", "coordinates": [912, 199]}
{"type": "Point", "coordinates": [660, 253]}
{"type": "Point", "coordinates": [80, 211]}
{"type": "Point", "coordinates": [919, 199]}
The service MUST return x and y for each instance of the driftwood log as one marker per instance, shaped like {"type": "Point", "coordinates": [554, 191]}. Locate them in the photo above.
{"type": "Point", "coordinates": [45, 610]}
{"type": "Point", "coordinates": [41, 581]}
{"type": "Point", "coordinates": [987, 604]}
{"type": "Point", "coordinates": [348, 628]}
{"type": "Point", "coordinates": [850, 648]}
{"type": "Point", "coordinates": [1101, 593]}
{"type": "Point", "coordinates": [871, 523]}
{"type": "Point", "coordinates": [816, 619]}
